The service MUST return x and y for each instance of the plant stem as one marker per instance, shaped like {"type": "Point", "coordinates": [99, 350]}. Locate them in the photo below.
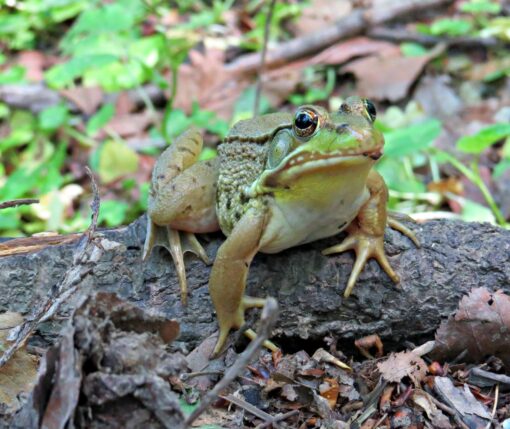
{"type": "Point", "coordinates": [258, 87]}
{"type": "Point", "coordinates": [473, 175]}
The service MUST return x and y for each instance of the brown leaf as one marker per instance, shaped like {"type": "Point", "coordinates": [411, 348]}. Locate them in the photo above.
{"type": "Point", "coordinates": [436, 416]}
{"type": "Point", "coordinates": [205, 80]}
{"type": "Point", "coordinates": [481, 326]}
{"type": "Point", "coordinates": [330, 390]}
{"type": "Point", "coordinates": [18, 374]}
{"type": "Point", "coordinates": [400, 365]}
{"type": "Point", "coordinates": [34, 63]}
{"type": "Point", "coordinates": [87, 99]}
{"type": "Point", "coordinates": [321, 13]}
{"type": "Point", "coordinates": [130, 124]}
{"type": "Point", "coordinates": [386, 78]}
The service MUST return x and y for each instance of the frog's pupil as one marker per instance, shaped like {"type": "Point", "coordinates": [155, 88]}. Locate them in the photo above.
{"type": "Point", "coordinates": [304, 120]}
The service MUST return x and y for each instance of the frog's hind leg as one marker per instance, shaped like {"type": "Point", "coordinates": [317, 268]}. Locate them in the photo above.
{"type": "Point", "coordinates": [366, 233]}
{"type": "Point", "coordinates": [228, 276]}
{"type": "Point", "coordinates": [181, 203]}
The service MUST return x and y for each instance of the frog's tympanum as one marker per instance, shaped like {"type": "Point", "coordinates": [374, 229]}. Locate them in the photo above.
{"type": "Point", "coordinates": [279, 180]}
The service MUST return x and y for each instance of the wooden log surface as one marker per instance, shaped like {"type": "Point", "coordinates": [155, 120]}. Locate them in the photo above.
{"type": "Point", "coordinates": [455, 256]}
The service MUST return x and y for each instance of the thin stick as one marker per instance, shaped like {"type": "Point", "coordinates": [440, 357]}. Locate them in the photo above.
{"type": "Point", "coordinates": [73, 277]}
{"type": "Point", "coordinates": [494, 407]}
{"type": "Point", "coordinates": [15, 203]}
{"type": "Point", "coordinates": [267, 321]}
{"type": "Point", "coordinates": [258, 86]}
{"type": "Point", "coordinates": [277, 418]}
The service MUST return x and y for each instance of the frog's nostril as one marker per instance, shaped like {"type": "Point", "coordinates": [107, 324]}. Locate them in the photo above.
{"type": "Point", "coordinates": [342, 128]}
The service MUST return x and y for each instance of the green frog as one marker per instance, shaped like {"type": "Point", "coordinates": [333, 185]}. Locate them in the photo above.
{"type": "Point", "coordinates": [279, 180]}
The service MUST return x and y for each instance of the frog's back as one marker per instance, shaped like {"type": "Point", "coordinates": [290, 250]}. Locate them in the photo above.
{"type": "Point", "coordinates": [242, 159]}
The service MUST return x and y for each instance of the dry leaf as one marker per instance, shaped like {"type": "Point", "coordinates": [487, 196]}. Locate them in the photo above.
{"type": "Point", "coordinates": [329, 390]}
{"type": "Point", "coordinates": [319, 14]}
{"type": "Point", "coordinates": [386, 77]}
{"type": "Point", "coordinates": [400, 365]}
{"type": "Point", "coordinates": [481, 326]}
{"type": "Point", "coordinates": [34, 63]}
{"type": "Point", "coordinates": [18, 374]}
{"type": "Point", "coordinates": [87, 99]}
{"type": "Point", "coordinates": [204, 80]}
{"type": "Point", "coordinates": [436, 416]}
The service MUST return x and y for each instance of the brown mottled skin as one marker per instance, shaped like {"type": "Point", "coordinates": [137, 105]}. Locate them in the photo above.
{"type": "Point", "coordinates": [278, 181]}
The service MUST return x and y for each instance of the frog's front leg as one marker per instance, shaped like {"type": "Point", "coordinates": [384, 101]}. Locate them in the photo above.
{"type": "Point", "coordinates": [230, 270]}
{"type": "Point", "coordinates": [181, 202]}
{"type": "Point", "coordinates": [366, 232]}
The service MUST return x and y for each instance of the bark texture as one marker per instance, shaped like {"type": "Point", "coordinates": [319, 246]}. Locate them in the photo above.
{"type": "Point", "coordinates": [454, 257]}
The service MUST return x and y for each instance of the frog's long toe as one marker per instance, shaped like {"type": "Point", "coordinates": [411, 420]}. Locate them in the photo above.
{"type": "Point", "coordinates": [366, 247]}
{"type": "Point", "coordinates": [397, 225]}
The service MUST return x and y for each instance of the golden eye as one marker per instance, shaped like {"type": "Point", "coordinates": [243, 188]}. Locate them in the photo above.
{"type": "Point", "coordinates": [305, 122]}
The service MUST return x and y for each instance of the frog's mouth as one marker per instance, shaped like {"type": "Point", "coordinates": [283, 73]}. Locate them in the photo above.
{"type": "Point", "coordinates": [317, 158]}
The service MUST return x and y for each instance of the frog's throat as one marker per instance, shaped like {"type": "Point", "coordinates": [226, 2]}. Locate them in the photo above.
{"type": "Point", "coordinates": [306, 164]}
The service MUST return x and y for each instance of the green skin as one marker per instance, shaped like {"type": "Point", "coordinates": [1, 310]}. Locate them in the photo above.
{"type": "Point", "coordinates": [275, 184]}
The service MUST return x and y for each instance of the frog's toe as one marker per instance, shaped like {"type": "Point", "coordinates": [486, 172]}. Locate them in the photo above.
{"type": "Point", "coordinates": [397, 225]}
{"type": "Point", "coordinates": [349, 243]}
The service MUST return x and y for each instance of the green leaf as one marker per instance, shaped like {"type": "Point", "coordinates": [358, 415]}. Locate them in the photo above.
{"type": "Point", "coordinates": [480, 6]}
{"type": "Point", "coordinates": [451, 27]}
{"type": "Point", "coordinates": [411, 139]}
{"type": "Point", "coordinates": [116, 159]}
{"type": "Point", "coordinates": [12, 75]}
{"type": "Point", "coordinates": [474, 212]}
{"type": "Point", "coordinates": [500, 168]}
{"type": "Point", "coordinates": [100, 119]}
{"type": "Point", "coordinates": [64, 74]}
{"type": "Point", "coordinates": [112, 213]}
{"type": "Point", "coordinates": [53, 117]}
{"type": "Point", "coordinates": [484, 138]}
{"type": "Point", "coordinates": [410, 49]}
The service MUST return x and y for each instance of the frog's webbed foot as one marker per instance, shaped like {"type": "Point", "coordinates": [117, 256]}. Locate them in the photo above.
{"type": "Point", "coordinates": [366, 246]}
{"type": "Point", "coordinates": [177, 243]}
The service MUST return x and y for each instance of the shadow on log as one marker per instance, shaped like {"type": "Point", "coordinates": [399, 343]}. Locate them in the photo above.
{"type": "Point", "coordinates": [454, 257]}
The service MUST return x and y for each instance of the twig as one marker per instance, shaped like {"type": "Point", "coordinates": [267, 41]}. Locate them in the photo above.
{"type": "Point", "coordinates": [424, 348]}
{"type": "Point", "coordinates": [402, 35]}
{"type": "Point", "coordinates": [268, 418]}
{"type": "Point", "coordinates": [20, 202]}
{"type": "Point", "coordinates": [277, 418]}
{"type": "Point", "coordinates": [450, 411]}
{"type": "Point", "coordinates": [267, 29]}
{"type": "Point", "coordinates": [356, 22]}
{"type": "Point", "coordinates": [494, 407]}
{"type": "Point", "coordinates": [267, 321]}
{"type": "Point", "coordinates": [72, 278]}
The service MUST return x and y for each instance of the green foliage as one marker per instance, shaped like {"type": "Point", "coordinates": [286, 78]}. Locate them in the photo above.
{"type": "Point", "coordinates": [411, 139]}
{"type": "Point", "coordinates": [411, 49]}
{"type": "Point", "coordinates": [451, 27]}
{"type": "Point", "coordinates": [116, 160]}
{"type": "Point", "coordinates": [481, 6]}
{"type": "Point", "coordinates": [484, 138]}
{"type": "Point", "coordinates": [316, 90]}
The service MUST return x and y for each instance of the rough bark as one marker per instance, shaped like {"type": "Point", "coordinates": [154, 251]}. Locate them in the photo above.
{"type": "Point", "coordinates": [454, 257]}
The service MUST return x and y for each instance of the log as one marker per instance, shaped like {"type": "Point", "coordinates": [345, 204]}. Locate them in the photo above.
{"type": "Point", "coordinates": [455, 256]}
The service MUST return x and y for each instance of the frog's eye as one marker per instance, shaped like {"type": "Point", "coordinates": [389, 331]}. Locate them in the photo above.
{"type": "Point", "coordinates": [305, 122]}
{"type": "Point", "coordinates": [278, 149]}
{"type": "Point", "coordinates": [370, 108]}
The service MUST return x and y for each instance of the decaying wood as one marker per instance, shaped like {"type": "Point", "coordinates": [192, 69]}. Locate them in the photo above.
{"type": "Point", "coordinates": [454, 257]}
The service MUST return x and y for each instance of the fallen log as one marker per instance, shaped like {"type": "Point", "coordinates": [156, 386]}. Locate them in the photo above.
{"type": "Point", "coordinates": [455, 256]}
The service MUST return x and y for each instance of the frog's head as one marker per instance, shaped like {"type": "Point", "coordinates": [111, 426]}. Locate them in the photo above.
{"type": "Point", "coordinates": [344, 142]}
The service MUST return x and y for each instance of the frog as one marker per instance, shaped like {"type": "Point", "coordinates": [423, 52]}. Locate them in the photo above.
{"type": "Point", "coordinates": [280, 180]}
